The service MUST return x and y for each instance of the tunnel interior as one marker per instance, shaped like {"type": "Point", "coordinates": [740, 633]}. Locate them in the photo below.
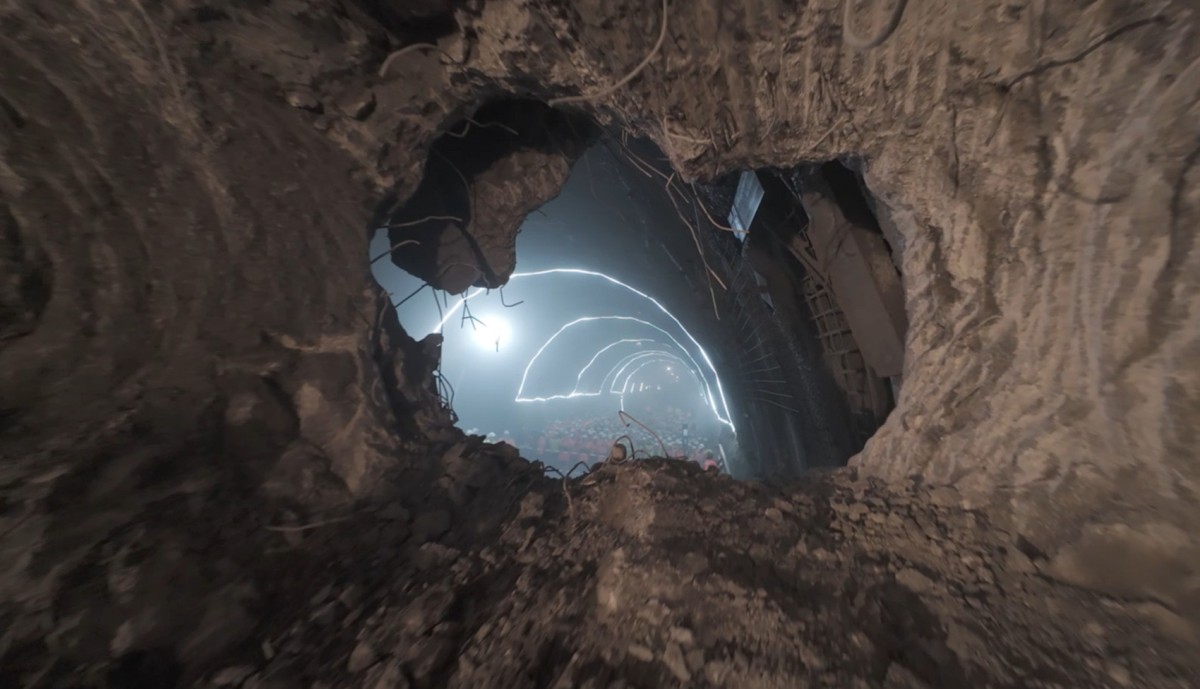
{"type": "Point", "coordinates": [275, 277]}
{"type": "Point", "coordinates": [705, 320]}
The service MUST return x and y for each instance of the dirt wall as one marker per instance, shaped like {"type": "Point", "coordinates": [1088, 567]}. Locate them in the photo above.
{"type": "Point", "coordinates": [189, 320]}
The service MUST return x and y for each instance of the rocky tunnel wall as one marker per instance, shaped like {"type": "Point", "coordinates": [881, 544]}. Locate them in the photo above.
{"type": "Point", "coordinates": [188, 313]}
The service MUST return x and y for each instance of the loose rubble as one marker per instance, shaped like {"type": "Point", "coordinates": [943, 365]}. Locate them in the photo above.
{"type": "Point", "coordinates": [660, 574]}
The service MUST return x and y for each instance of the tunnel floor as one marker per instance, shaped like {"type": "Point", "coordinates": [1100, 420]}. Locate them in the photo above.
{"type": "Point", "coordinates": [654, 573]}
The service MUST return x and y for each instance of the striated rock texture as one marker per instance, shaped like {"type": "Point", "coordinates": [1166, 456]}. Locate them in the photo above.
{"type": "Point", "coordinates": [197, 374]}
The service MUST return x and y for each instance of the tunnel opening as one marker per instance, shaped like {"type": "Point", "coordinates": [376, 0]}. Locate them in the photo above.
{"type": "Point", "coordinates": [715, 321]}
{"type": "Point", "coordinates": [216, 466]}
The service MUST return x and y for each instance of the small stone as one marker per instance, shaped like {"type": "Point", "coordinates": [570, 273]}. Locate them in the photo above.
{"type": "Point", "coordinates": [434, 556]}
{"type": "Point", "coordinates": [362, 657]}
{"type": "Point", "coordinates": [455, 490]}
{"type": "Point", "coordinates": [682, 635]}
{"type": "Point", "coordinates": [900, 677]}
{"type": "Point", "coordinates": [532, 507]}
{"type": "Point", "coordinates": [945, 496]}
{"type": "Point", "coordinates": [810, 658]}
{"type": "Point", "coordinates": [351, 596]}
{"type": "Point", "coordinates": [1119, 674]}
{"type": "Point", "coordinates": [304, 99]}
{"type": "Point", "coordinates": [506, 452]}
{"type": "Point", "coordinates": [427, 610]}
{"type": "Point", "coordinates": [774, 514]}
{"type": "Point", "coordinates": [482, 474]}
{"type": "Point", "coordinates": [715, 671]}
{"type": "Point", "coordinates": [322, 595]}
{"type": "Point", "coordinates": [387, 675]}
{"type": "Point", "coordinates": [673, 659]}
{"type": "Point", "coordinates": [393, 534]}
{"type": "Point", "coordinates": [394, 512]}
{"type": "Point", "coordinates": [693, 564]}
{"type": "Point", "coordinates": [431, 525]}
{"type": "Point", "coordinates": [856, 511]}
{"type": "Point", "coordinates": [1019, 562]}
{"type": "Point", "coordinates": [695, 659]}
{"type": "Point", "coordinates": [640, 652]}
{"type": "Point", "coordinates": [233, 676]}
{"type": "Point", "coordinates": [358, 105]}
{"type": "Point", "coordinates": [325, 614]}
{"type": "Point", "coordinates": [429, 655]}
{"type": "Point", "coordinates": [914, 580]}
{"type": "Point", "coordinates": [448, 629]}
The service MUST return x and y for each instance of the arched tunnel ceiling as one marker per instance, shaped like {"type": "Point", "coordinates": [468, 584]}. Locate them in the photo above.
{"type": "Point", "coordinates": [199, 378]}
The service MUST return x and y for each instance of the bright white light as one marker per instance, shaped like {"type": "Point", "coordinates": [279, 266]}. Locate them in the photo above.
{"type": "Point", "coordinates": [631, 359]}
{"type": "Point", "coordinates": [575, 392]}
{"type": "Point", "coordinates": [490, 332]}
{"type": "Point", "coordinates": [629, 378]}
{"type": "Point", "coordinates": [657, 354]}
{"type": "Point", "coordinates": [587, 319]}
{"type": "Point", "coordinates": [604, 349]}
{"type": "Point", "coordinates": [710, 399]}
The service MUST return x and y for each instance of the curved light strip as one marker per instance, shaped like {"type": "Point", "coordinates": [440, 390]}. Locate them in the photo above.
{"type": "Point", "coordinates": [600, 390]}
{"type": "Point", "coordinates": [603, 349]}
{"type": "Point", "coordinates": [634, 372]}
{"type": "Point", "coordinates": [628, 361]}
{"type": "Point", "coordinates": [588, 319]}
{"type": "Point", "coordinates": [625, 387]}
{"type": "Point", "coordinates": [580, 271]}
{"type": "Point", "coordinates": [621, 365]}
{"type": "Point", "coordinates": [666, 355]}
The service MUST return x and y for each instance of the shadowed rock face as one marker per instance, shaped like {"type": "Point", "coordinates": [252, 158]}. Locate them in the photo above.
{"type": "Point", "coordinates": [198, 379]}
{"type": "Point", "coordinates": [481, 180]}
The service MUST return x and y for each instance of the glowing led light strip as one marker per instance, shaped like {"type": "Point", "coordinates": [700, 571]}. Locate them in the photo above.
{"type": "Point", "coordinates": [600, 390]}
{"type": "Point", "coordinates": [634, 372]}
{"type": "Point", "coordinates": [588, 319]}
{"type": "Point", "coordinates": [629, 361]}
{"type": "Point", "coordinates": [580, 271]}
{"type": "Point", "coordinates": [620, 366]}
{"type": "Point", "coordinates": [625, 387]}
{"type": "Point", "coordinates": [602, 350]}
{"type": "Point", "coordinates": [670, 357]}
